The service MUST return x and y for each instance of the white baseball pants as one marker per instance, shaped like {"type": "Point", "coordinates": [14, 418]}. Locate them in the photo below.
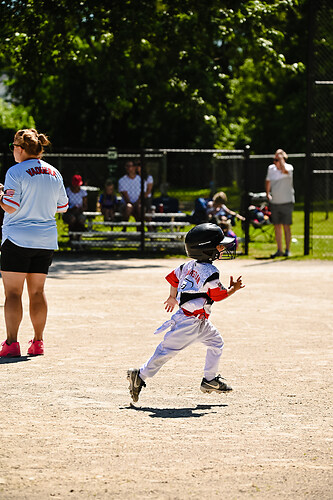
{"type": "Point", "coordinates": [185, 330]}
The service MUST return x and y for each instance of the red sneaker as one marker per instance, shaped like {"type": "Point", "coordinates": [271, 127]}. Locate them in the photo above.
{"type": "Point", "coordinates": [36, 348]}
{"type": "Point", "coordinates": [10, 351]}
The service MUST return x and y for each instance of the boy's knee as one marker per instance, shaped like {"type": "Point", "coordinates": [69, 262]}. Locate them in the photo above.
{"type": "Point", "coordinates": [217, 346]}
{"type": "Point", "coordinates": [217, 349]}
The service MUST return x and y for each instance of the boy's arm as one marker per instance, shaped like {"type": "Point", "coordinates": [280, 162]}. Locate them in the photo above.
{"type": "Point", "coordinates": [235, 285]}
{"type": "Point", "coordinates": [171, 301]}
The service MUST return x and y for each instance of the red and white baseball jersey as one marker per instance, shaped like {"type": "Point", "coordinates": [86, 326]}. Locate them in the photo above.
{"type": "Point", "coordinates": [198, 285]}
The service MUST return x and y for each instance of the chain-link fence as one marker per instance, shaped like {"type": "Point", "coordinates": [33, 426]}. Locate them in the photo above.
{"type": "Point", "coordinates": [182, 179]}
{"type": "Point", "coordinates": [319, 198]}
{"type": "Point", "coordinates": [185, 173]}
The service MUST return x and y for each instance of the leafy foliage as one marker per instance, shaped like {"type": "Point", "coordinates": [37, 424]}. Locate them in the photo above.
{"type": "Point", "coordinates": [14, 117]}
{"type": "Point", "coordinates": [157, 73]}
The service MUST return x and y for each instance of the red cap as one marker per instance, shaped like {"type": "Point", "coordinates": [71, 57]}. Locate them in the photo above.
{"type": "Point", "coordinates": [77, 180]}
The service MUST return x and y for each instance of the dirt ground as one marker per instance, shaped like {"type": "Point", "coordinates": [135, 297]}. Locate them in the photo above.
{"type": "Point", "coordinates": [67, 427]}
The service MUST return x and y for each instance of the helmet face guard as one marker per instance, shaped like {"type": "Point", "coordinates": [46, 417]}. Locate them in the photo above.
{"type": "Point", "coordinates": [201, 242]}
{"type": "Point", "coordinates": [229, 251]}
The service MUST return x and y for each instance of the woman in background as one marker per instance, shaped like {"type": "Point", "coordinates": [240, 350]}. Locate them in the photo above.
{"type": "Point", "coordinates": [280, 193]}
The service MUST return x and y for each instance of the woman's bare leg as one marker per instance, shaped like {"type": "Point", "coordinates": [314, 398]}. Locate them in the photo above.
{"type": "Point", "coordinates": [287, 235]}
{"type": "Point", "coordinates": [13, 285]}
{"type": "Point", "coordinates": [278, 236]}
{"type": "Point", "coordinates": [37, 303]}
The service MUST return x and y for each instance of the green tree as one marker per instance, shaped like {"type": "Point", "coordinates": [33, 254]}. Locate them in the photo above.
{"type": "Point", "coordinates": [154, 73]}
{"type": "Point", "coordinates": [14, 117]}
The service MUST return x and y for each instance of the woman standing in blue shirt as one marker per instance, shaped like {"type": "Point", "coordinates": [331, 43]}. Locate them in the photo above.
{"type": "Point", "coordinates": [32, 194]}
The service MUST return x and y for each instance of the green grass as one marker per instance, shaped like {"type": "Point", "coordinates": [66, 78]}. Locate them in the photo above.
{"type": "Point", "coordinates": [190, 195]}
{"type": "Point", "coordinates": [322, 247]}
{"type": "Point", "coordinates": [259, 247]}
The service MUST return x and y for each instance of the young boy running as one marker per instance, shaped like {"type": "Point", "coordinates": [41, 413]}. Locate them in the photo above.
{"type": "Point", "coordinates": [194, 287]}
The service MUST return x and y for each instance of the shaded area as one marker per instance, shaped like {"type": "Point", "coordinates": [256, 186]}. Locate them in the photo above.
{"type": "Point", "coordinates": [5, 361]}
{"type": "Point", "coordinates": [176, 412]}
{"type": "Point", "coordinates": [87, 264]}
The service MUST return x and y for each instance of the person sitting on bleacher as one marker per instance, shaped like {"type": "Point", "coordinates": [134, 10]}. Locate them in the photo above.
{"type": "Point", "coordinates": [165, 204]}
{"type": "Point", "coordinates": [77, 204]}
{"type": "Point", "coordinates": [129, 186]}
{"type": "Point", "coordinates": [148, 182]}
{"type": "Point", "coordinates": [107, 202]}
{"type": "Point", "coordinates": [199, 214]}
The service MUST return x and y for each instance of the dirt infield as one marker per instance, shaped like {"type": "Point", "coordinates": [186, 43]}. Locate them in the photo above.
{"type": "Point", "coordinates": [67, 428]}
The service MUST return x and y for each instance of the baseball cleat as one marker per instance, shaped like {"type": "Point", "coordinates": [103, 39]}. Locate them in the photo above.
{"type": "Point", "coordinates": [217, 385]}
{"type": "Point", "coordinates": [10, 351]}
{"type": "Point", "coordinates": [36, 348]}
{"type": "Point", "coordinates": [136, 383]}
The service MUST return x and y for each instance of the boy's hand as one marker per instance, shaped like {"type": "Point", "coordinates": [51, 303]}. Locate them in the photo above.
{"type": "Point", "coordinates": [236, 285]}
{"type": "Point", "coordinates": [170, 303]}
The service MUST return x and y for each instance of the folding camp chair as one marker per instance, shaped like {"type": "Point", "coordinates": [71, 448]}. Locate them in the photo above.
{"type": "Point", "coordinates": [259, 217]}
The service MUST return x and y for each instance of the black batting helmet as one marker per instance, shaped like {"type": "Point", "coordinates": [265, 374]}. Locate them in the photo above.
{"type": "Point", "coordinates": [201, 242]}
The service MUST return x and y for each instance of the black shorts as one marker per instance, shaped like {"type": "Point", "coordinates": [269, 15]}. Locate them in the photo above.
{"type": "Point", "coordinates": [282, 213]}
{"type": "Point", "coordinates": [25, 260]}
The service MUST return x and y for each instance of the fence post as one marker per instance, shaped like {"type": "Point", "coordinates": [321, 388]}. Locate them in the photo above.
{"type": "Point", "coordinates": [307, 203]}
{"type": "Point", "coordinates": [4, 165]}
{"type": "Point", "coordinates": [112, 154]}
{"type": "Point", "coordinates": [142, 197]}
{"type": "Point", "coordinates": [309, 140]}
{"type": "Point", "coordinates": [2, 171]}
{"type": "Point", "coordinates": [245, 200]}
{"type": "Point", "coordinates": [164, 168]}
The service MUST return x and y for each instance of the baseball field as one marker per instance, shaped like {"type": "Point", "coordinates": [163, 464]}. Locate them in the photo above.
{"type": "Point", "coordinates": [68, 430]}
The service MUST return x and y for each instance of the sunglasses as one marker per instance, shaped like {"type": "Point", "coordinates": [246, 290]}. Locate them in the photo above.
{"type": "Point", "coordinates": [12, 145]}
{"type": "Point", "coordinates": [276, 159]}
